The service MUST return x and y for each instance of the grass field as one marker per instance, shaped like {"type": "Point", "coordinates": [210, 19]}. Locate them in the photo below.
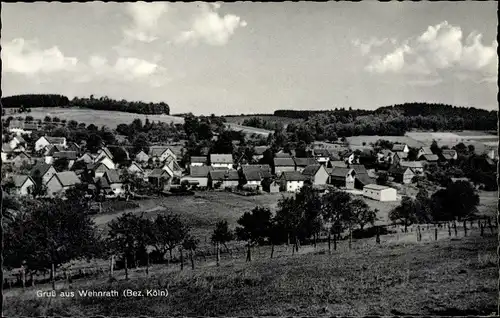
{"type": "Point", "coordinates": [451, 276]}
{"type": "Point", "coordinates": [99, 118]}
{"type": "Point", "coordinates": [239, 119]}
{"type": "Point", "coordinates": [358, 140]}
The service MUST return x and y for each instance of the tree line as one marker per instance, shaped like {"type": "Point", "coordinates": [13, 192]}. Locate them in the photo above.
{"type": "Point", "coordinates": [35, 100]}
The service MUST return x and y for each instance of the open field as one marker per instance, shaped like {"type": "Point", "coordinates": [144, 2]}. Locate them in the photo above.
{"type": "Point", "coordinates": [249, 129]}
{"type": "Point", "coordinates": [239, 119]}
{"type": "Point", "coordinates": [358, 140]}
{"type": "Point", "coordinates": [99, 118]}
{"type": "Point", "coordinates": [474, 133]}
{"type": "Point", "coordinates": [451, 276]}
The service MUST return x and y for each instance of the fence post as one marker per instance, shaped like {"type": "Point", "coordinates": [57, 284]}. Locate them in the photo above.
{"type": "Point", "coordinates": [455, 227]}
{"type": "Point", "coordinates": [490, 225]}
{"type": "Point", "coordinates": [377, 240]}
{"type": "Point", "coordinates": [418, 233]}
{"type": "Point", "coordinates": [482, 229]}
{"type": "Point", "coordinates": [449, 229]}
{"type": "Point", "coordinates": [435, 234]}
{"type": "Point", "coordinates": [465, 228]}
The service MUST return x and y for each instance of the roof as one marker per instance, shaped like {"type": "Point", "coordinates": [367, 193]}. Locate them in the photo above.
{"type": "Point", "coordinates": [22, 153]}
{"type": "Point", "coordinates": [30, 126]}
{"type": "Point", "coordinates": [282, 155]}
{"type": "Point", "coordinates": [448, 154]}
{"type": "Point", "coordinates": [104, 183]}
{"type": "Point", "coordinates": [293, 176]}
{"type": "Point", "coordinates": [113, 176]}
{"type": "Point", "coordinates": [304, 162]}
{"type": "Point", "coordinates": [386, 152]}
{"type": "Point", "coordinates": [426, 150]}
{"type": "Point", "coordinates": [157, 173]}
{"type": "Point", "coordinates": [221, 158]}
{"type": "Point", "coordinates": [52, 149]}
{"type": "Point", "coordinates": [321, 152]}
{"type": "Point", "coordinates": [359, 169]}
{"type": "Point", "coordinates": [340, 172]}
{"type": "Point", "coordinates": [94, 166]}
{"type": "Point", "coordinates": [256, 167]}
{"type": "Point", "coordinates": [259, 150]}
{"type": "Point", "coordinates": [20, 180]}
{"type": "Point", "coordinates": [107, 152]}
{"type": "Point", "coordinates": [195, 159]}
{"type": "Point", "coordinates": [398, 147]}
{"type": "Point", "coordinates": [428, 157]}
{"type": "Point", "coordinates": [200, 172]}
{"type": "Point", "coordinates": [412, 164]}
{"type": "Point", "coordinates": [252, 175]}
{"type": "Point", "coordinates": [6, 148]}
{"type": "Point", "coordinates": [311, 170]}
{"type": "Point", "coordinates": [402, 155]}
{"type": "Point", "coordinates": [67, 178]}
{"type": "Point", "coordinates": [338, 163]}
{"type": "Point", "coordinates": [157, 151]}
{"type": "Point", "coordinates": [20, 139]}
{"type": "Point", "coordinates": [364, 178]}
{"type": "Point", "coordinates": [55, 140]}
{"type": "Point", "coordinates": [398, 170]}
{"type": "Point", "coordinates": [459, 179]}
{"type": "Point", "coordinates": [284, 162]}
{"type": "Point", "coordinates": [142, 153]}
{"type": "Point", "coordinates": [133, 163]}
{"type": "Point", "coordinates": [231, 175]}
{"type": "Point", "coordinates": [70, 155]}
{"type": "Point", "coordinates": [42, 168]}
{"type": "Point", "coordinates": [376, 187]}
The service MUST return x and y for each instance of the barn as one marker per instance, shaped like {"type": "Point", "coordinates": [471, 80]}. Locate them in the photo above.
{"type": "Point", "coordinates": [379, 192]}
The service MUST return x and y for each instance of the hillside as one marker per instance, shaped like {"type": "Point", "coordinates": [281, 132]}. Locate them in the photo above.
{"type": "Point", "coordinates": [456, 276]}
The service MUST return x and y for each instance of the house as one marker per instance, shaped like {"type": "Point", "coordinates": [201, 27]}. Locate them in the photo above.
{"type": "Point", "coordinates": [292, 181]}
{"type": "Point", "coordinates": [43, 171]}
{"type": "Point", "coordinates": [283, 164]}
{"type": "Point", "coordinates": [401, 174]}
{"type": "Point", "coordinates": [416, 166]}
{"type": "Point", "coordinates": [274, 187]}
{"type": "Point", "coordinates": [492, 153]}
{"type": "Point", "coordinates": [448, 155]}
{"type": "Point", "coordinates": [221, 161]}
{"type": "Point", "coordinates": [255, 174]}
{"type": "Point", "coordinates": [198, 176]}
{"type": "Point", "coordinates": [317, 174]}
{"type": "Point", "coordinates": [172, 167]}
{"type": "Point", "coordinates": [106, 161]}
{"type": "Point", "coordinates": [16, 141]}
{"type": "Point", "coordinates": [50, 150]}
{"type": "Point", "coordinates": [6, 151]}
{"type": "Point", "coordinates": [61, 181]}
{"type": "Point", "coordinates": [161, 153]}
{"type": "Point", "coordinates": [322, 156]}
{"type": "Point", "coordinates": [400, 148]}
{"type": "Point", "coordinates": [23, 184]}
{"type": "Point", "coordinates": [98, 169]}
{"type": "Point", "coordinates": [399, 156]}
{"type": "Point", "coordinates": [301, 163]}
{"type": "Point", "coordinates": [71, 156]}
{"type": "Point", "coordinates": [114, 181]}
{"type": "Point", "coordinates": [45, 141]}
{"type": "Point", "coordinates": [424, 151]}
{"type": "Point", "coordinates": [17, 127]}
{"type": "Point", "coordinates": [429, 158]}
{"type": "Point", "coordinates": [342, 177]}
{"type": "Point", "coordinates": [361, 176]}
{"type": "Point", "coordinates": [87, 158]}
{"type": "Point", "coordinates": [259, 152]}
{"type": "Point", "coordinates": [198, 161]}
{"type": "Point", "coordinates": [385, 156]}
{"type": "Point", "coordinates": [223, 179]}
{"type": "Point", "coordinates": [142, 157]}
{"type": "Point", "coordinates": [159, 177]}
{"type": "Point", "coordinates": [21, 159]}
{"type": "Point", "coordinates": [379, 192]}
{"type": "Point", "coordinates": [350, 158]}
{"type": "Point", "coordinates": [104, 153]}
{"type": "Point", "coordinates": [73, 146]}
{"type": "Point", "coordinates": [135, 168]}
{"type": "Point", "coordinates": [282, 154]}
{"type": "Point", "coordinates": [30, 127]}
{"type": "Point", "coordinates": [338, 163]}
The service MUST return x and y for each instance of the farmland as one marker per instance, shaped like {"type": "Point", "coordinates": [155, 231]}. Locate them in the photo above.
{"type": "Point", "coordinates": [270, 118]}
{"type": "Point", "coordinates": [97, 117]}
{"type": "Point", "coordinates": [451, 276]}
{"type": "Point", "coordinates": [359, 140]}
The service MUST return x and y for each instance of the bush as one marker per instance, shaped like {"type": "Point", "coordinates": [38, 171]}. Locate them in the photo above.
{"type": "Point", "coordinates": [370, 232]}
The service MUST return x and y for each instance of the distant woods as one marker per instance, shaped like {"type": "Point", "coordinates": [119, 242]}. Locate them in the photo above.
{"type": "Point", "coordinates": [102, 103]}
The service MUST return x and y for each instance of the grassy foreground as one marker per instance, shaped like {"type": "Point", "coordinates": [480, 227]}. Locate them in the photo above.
{"type": "Point", "coordinates": [452, 276]}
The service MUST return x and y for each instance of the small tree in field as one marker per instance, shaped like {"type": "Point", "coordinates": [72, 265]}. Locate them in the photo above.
{"type": "Point", "coordinates": [221, 235]}
{"type": "Point", "coordinates": [405, 213]}
{"type": "Point", "coordinates": [335, 208]}
{"type": "Point", "coordinates": [362, 214]}
{"type": "Point", "coordinates": [254, 228]}
{"type": "Point", "coordinates": [169, 232]}
{"type": "Point", "coordinates": [190, 244]}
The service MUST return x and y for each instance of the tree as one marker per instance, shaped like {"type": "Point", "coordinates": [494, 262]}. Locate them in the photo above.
{"type": "Point", "coordinates": [254, 228]}
{"type": "Point", "coordinates": [169, 232]}
{"type": "Point", "coordinates": [221, 235]}
{"type": "Point", "coordinates": [424, 205]}
{"type": "Point", "coordinates": [335, 208]}
{"type": "Point", "coordinates": [94, 142]}
{"type": "Point", "coordinates": [435, 148]}
{"type": "Point", "coordinates": [61, 164]}
{"type": "Point", "coordinates": [405, 213]}
{"type": "Point", "coordinates": [140, 143]}
{"type": "Point", "coordinates": [458, 201]}
{"type": "Point", "coordinates": [190, 243]}
{"type": "Point", "coordinates": [382, 178]}
{"type": "Point", "coordinates": [362, 214]}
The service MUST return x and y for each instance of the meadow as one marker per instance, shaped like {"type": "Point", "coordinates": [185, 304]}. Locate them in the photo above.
{"type": "Point", "coordinates": [271, 118]}
{"type": "Point", "coordinates": [99, 118]}
{"type": "Point", "coordinates": [450, 276]}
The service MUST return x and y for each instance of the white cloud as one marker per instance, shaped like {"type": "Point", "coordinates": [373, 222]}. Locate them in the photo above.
{"type": "Point", "coordinates": [25, 57]}
{"type": "Point", "coordinates": [439, 48]}
{"type": "Point", "coordinates": [210, 27]}
{"type": "Point", "coordinates": [145, 16]}
{"type": "Point", "coordinates": [366, 47]}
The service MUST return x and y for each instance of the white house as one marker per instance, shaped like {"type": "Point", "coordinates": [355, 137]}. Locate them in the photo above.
{"type": "Point", "coordinates": [104, 153]}
{"type": "Point", "coordinates": [379, 192]}
{"type": "Point", "coordinates": [16, 141]}
{"type": "Point", "coordinates": [322, 156]}
{"type": "Point", "coordinates": [416, 166]}
{"type": "Point", "coordinates": [198, 161]}
{"type": "Point", "coordinates": [221, 161]}
{"type": "Point", "coordinates": [114, 181]}
{"type": "Point", "coordinates": [107, 162]}
{"type": "Point", "coordinates": [87, 158]}
{"type": "Point", "coordinates": [351, 158]}
{"type": "Point", "coordinates": [62, 181]}
{"type": "Point", "coordinates": [6, 150]}
{"type": "Point", "coordinates": [292, 181]}
{"type": "Point", "coordinates": [161, 153]}
{"type": "Point", "coordinates": [23, 184]}
{"type": "Point", "coordinates": [400, 148]}
{"type": "Point", "coordinates": [142, 157]}
{"type": "Point", "coordinates": [44, 141]}
{"type": "Point", "coordinates": [172, 167]}
{"type": "Point", "coordinates": [317, 174]}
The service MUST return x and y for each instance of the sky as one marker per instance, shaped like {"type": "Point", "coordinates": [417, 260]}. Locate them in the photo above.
{"type": "Point", "coordinates": [249, 57]}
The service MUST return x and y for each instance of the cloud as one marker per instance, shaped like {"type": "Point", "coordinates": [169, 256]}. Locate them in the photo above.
{"type": "Point", "coordinates": [210, 27]}
{"type": "Point", "coordinates": [25, 57]}
{"type": "Point", "coordinates": [439, 48]}
{"type": "Point", "coordinates": [367, 46]}
{"type": "Point", "coordinates": [145, 17]}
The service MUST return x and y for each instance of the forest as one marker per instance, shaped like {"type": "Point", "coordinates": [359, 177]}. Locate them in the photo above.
{"type": "Point", "coordinates": [102, 103]}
